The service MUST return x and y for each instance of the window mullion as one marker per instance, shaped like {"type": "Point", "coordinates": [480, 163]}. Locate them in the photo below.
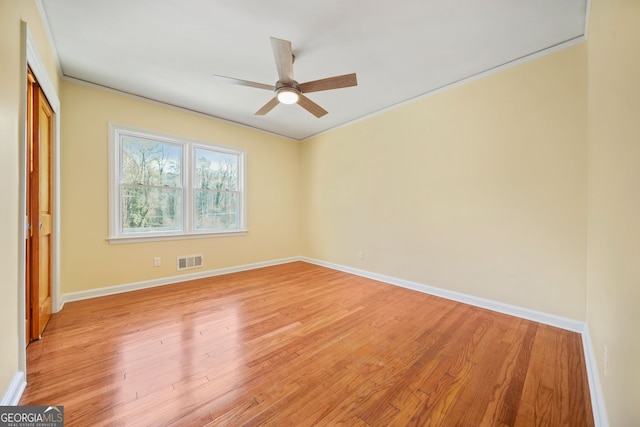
{"type": "Point", "coordinates": [187, 191]}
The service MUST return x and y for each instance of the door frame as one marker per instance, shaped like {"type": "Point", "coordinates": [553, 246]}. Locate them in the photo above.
{"type": "Point", "coordinates": [30, 58]}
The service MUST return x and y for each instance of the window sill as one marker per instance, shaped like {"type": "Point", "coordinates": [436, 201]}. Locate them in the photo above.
{"type": "Point", "coordinates": [147, 239]}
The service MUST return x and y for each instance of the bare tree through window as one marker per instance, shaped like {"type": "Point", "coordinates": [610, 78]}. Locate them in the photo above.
{"type": "Point", "coordinates": [216, 190]}
{"type": "Point", "coordinates": [151, 185]}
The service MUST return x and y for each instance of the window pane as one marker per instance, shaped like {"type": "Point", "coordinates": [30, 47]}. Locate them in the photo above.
{"type": "Point", "coordinates": [148, 162]}
{"type": "Point", "coordinates": [152, 209]}
{"type": "Point", "coordinates": [216, 210]}
{"type": "Point", "coordinates": [215, 170]}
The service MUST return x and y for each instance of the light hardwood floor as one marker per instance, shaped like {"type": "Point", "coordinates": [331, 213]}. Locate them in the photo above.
{"type": "Point", "coordinates": [297, 344]}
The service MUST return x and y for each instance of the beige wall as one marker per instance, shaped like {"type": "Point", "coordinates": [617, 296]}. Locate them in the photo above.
{"type": "Point", "coordinates": [89, 261]}
{"type": "Point", "coordinates": [12, 12]}
{"type": "Point", "coordinates": [480, 189]}
{"type": "Point", "coordinates": [613, 278]}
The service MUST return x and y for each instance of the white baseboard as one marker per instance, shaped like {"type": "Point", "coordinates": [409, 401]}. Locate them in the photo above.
{"type": "Point", "coordinates": [595, 389]}
{"type": "Point", "coordinates": [13, 394]}
{"type": "Point", "coordinates": [524, 313]}
{"type": "Point", "coordinates": [118, 289]}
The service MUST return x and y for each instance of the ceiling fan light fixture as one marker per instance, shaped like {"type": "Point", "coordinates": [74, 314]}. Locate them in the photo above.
{"type": "Point", "coordinates": [287, 95]}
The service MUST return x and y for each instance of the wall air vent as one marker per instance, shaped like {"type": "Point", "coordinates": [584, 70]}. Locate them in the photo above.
{"type": "Point", "coordinates": [189, 261]}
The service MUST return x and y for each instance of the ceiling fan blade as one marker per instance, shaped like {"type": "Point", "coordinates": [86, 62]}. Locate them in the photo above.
{"type": "Point", "coordinates": [337, 82]}
{"type": "Point", "coordinates": [284, 59]}
{"type": "Point", "coordinates": [311, 106]}
{"type": "Point", "coordinates": [267, 107]}
{"type": "Point", "coordinates": [231, 80]}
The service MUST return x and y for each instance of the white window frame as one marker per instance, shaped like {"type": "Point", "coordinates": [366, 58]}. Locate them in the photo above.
{"type": "Point", "coordinates": [188, 172]}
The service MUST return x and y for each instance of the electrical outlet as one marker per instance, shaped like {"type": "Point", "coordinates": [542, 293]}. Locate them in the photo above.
{"type": "Point", "coordinates": [156, 261]}
{"type": "Point", "coordinates": [605, 353]}
{"type": "Point", "coordinates": [360, 255]}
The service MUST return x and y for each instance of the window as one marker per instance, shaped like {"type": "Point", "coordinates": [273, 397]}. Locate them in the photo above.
{"type": "Point", "coordinates": [167, 187]}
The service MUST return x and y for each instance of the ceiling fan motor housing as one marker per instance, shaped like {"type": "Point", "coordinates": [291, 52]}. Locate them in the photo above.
{"type": "Point", "coordinates": [287, 93]}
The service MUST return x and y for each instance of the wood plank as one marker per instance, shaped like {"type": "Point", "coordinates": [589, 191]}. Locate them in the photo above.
{"type": "Point", "coordinates": [298, 344]}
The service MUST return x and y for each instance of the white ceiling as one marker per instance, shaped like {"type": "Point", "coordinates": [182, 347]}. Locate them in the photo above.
{"type": "Point", "coordinates": [168, 50]}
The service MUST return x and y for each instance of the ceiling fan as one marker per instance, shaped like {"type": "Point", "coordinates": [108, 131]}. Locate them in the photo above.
{"type": "Point", "coordinates": [286, 89]}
